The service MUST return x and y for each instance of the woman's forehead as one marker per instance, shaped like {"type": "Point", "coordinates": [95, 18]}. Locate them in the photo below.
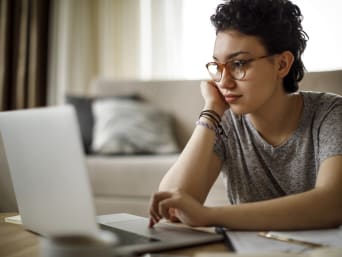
{"type": "Point", "coordinates": [230, 42]}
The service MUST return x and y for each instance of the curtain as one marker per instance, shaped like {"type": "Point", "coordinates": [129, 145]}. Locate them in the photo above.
{"type": "Point", "coordinates": [73, 48]}
{"type": "Point", "coordinates": [23, 53]}
{"type": "Point", "coordinates": [140, 39]}
{"type": "Point", "coordinates": [120, 39]}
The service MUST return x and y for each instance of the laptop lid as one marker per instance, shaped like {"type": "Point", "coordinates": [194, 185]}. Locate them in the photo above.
{"type": "Point", "coordinates": [44, 154]}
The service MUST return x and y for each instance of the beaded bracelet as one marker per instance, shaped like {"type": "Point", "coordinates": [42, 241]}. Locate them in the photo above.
{"type": "Point", "coordinates": [214, 117]}
{"type": "Point", "coordinates": [206, 125]}
{"type": "Point", "coordinates": [217, 129]}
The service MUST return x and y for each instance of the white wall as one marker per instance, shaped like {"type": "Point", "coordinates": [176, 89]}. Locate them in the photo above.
{"type": "Point", "coordinates": [322, 21]}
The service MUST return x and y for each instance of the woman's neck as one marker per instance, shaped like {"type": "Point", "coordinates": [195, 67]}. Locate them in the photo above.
{"type": "Point", "coordinates": [277, 120]}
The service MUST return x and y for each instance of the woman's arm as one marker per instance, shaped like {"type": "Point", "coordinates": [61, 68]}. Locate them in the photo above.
{"type": "Point", "coordinates": [320, 207]}
{"type": "Point", "coordinates": [197, 167]}
{"type": "Point", "coordinates": [191, 177]}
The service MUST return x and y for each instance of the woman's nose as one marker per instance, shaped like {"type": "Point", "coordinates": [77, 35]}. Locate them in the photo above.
{"type": "Point", "coordinates": [227, 80]}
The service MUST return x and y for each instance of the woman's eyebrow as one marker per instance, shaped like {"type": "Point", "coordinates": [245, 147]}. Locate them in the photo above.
{"type": "Point", "coordinates": [231, 56]}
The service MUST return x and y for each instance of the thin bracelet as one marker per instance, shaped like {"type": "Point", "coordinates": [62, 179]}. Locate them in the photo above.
{"type": "Point", "coordinates": [211, 112]}
{"type": "Point", "coordinates": [210, 117]}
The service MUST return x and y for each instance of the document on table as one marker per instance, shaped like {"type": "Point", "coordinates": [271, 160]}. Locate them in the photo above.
{"type": "Point", "coordinates": [326, 237]}
{"type": "Point", "coordinates": [251, 242]}
{"type": "Point", "coordinates": [320, 252]}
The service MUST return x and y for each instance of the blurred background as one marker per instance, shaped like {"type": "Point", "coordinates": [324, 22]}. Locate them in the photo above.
{"type": "Point", "coordinates": [49, 48]}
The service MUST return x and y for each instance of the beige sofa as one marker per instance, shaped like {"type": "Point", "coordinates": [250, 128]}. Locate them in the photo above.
{"type": "Point", "coordinates": [125, 183]}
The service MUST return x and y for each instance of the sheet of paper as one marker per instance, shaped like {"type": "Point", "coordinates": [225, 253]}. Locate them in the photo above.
{"type": "Point", "coordinates": [250, 242]}
{"type": "Point", "coordinates": [321, 252]}
{"type": "Point", "coordinates": [329, 237]}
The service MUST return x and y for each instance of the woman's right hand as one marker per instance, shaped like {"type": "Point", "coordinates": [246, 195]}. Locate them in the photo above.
{"type": "Point", "coordinates": [180, 206]}
{"type": "Point", "coordinates": [213, 98]}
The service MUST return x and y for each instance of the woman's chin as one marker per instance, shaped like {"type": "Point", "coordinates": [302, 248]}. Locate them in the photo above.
{"type": "Point", "coordinates": [238, 110]}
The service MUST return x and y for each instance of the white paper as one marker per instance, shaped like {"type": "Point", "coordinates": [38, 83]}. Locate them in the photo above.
{"type": "Point", "coordinates": [321, 252]}
{"type": "Point", "coordinates": [328, 237]}
{"type": "Point", "coordinates": [250, 242]}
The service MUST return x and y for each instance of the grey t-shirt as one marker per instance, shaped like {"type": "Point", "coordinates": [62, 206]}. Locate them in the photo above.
{"type": "Point", "coordinates": [254, 170]}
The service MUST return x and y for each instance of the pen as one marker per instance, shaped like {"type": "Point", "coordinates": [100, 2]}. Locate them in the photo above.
{"type": "Point", "coordinates": [226, 239]}
{"type": "Point", "coordinates": [289, 239]}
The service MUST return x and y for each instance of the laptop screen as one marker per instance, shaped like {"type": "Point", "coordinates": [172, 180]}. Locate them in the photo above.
{"type": "Point", "coordinates": [47, 167]}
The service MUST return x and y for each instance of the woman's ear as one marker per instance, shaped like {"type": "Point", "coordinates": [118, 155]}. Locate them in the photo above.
{"type": "Point", "coordinates": [284, 62]}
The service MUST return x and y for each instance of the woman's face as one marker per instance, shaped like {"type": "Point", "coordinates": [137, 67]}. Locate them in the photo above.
{"type": "Point", "coordinates": [261, 82]}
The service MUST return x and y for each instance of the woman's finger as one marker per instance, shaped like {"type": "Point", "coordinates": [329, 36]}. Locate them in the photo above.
{"type": "Point", "coordinates": [155, 214]}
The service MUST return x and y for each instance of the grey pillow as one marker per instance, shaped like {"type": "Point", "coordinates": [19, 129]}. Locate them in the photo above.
{"type": "Point", "coordinates": [85, 118]}
{"type": "Point", "coordinates": [126, 126]}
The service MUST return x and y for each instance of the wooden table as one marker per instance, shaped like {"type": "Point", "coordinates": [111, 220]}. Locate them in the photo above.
{"type": "Point", "coordinates": [15, 241]}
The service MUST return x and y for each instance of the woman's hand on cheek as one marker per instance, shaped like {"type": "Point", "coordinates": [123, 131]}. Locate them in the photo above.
{"type": "Point", "coordinates": [213, 98]}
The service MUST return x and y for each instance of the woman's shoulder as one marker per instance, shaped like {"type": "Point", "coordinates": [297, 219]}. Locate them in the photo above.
{"type": "Point", "coordinates": [318, 96]}
{"type": "Point", "coordinates": [321, 100]}
{"type": "Point", "coordinates": [321, 106]}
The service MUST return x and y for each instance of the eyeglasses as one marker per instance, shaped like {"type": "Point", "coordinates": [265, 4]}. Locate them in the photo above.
{"type": "Point", "coordinates": [237, 68]}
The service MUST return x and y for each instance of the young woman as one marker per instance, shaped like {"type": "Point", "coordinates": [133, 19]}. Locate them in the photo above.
{"type": "Point", "coordinates": [279, 150]}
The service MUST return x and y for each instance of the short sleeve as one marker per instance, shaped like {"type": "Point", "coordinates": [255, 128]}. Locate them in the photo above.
{"type": "Point", "coordinates": [221, 144]}
{"type": "Point", "coordinates": [330, 133]}
{"type": "Point", "coordinates": [219, 147]}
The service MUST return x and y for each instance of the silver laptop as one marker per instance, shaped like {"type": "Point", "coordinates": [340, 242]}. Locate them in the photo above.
{"type": "Point", "coordinates": [46, 162]}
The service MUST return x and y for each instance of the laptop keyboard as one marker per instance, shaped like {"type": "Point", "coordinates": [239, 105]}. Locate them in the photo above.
{"type": "Point", "coordinates": [128, 238]}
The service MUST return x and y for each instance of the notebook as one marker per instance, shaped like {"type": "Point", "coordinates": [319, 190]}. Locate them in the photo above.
{"type": "Point", "coordinates": [47, 166]}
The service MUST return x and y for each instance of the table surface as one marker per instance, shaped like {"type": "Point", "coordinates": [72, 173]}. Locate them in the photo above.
{"type": "Point", "coordinates": [15, 241]}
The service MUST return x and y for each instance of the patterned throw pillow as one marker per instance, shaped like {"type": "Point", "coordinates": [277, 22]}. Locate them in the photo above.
{"type": "Point", "coordinates": [127, 126]}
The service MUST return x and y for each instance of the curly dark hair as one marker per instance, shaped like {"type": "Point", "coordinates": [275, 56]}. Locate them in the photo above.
{"type": "Point", "coordinates": [277, 23]}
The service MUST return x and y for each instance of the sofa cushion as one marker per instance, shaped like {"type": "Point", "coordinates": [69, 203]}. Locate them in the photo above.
{"type": "Point", "coordinates": [128, 176]}
{"type": "Point", "coordinates": [126, 126]}
{"type": "Point", "coordinates": [126, 183]}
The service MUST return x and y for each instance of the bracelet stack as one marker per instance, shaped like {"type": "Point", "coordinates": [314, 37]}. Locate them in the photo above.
{"type": "Point", "coordinates": [212, 116]}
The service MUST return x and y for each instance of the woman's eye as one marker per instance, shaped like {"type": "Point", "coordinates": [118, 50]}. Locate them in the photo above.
{"type": "Point", "coordinates": [237, 64]}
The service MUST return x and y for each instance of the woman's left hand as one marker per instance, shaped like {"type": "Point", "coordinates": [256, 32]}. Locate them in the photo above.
{"type": "Point", "coordinates": [177, 205]}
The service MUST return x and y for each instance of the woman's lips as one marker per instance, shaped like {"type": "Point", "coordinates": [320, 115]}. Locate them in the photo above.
{"type": "Point", "coordinates": [231, 98]}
